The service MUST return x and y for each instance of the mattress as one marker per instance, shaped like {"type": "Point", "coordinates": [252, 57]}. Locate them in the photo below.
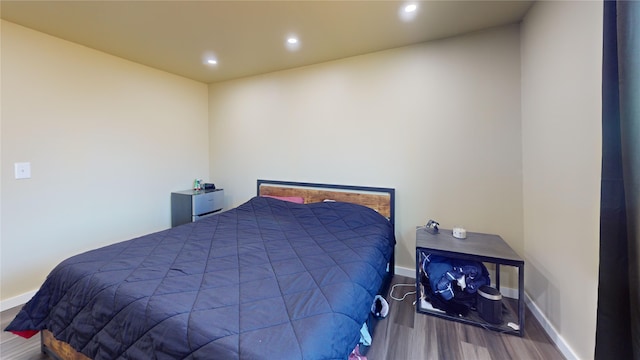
{"type": "Point", "coordinates": [267, 280]}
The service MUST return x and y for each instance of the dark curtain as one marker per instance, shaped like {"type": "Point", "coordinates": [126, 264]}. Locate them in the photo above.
{"type": "Point", "coordinates": [618, 314]}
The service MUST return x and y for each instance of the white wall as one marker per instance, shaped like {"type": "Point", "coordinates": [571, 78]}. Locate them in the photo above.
{"type": "Point", "coordinates": [439, 122]}
{"type": "Point", "coordinates": [561, 126]}
{"type": "Point", "coordinates": [108, 140]}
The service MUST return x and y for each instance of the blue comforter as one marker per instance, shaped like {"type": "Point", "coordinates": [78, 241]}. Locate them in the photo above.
{"type": "Point", "coordinates": [267, 280]}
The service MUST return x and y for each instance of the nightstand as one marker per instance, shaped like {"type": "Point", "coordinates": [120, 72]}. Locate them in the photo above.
{"type": "Point", "coordinates": [479, 247]}
{"type": "Point", "coordinates": [192, 205]}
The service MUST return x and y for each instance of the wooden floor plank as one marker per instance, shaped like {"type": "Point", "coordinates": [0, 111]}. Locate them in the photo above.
{"type": "Point", "coordinates": [474, 352]}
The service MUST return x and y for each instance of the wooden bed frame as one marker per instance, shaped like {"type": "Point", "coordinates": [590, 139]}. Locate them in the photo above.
{"type": "Point", "coordinates": [380, 199]}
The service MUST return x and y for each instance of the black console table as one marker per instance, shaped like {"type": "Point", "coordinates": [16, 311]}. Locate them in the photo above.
{"type": "Point", "coordinates": [480, 247]}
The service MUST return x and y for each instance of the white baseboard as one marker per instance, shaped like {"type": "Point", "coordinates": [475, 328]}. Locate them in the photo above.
{"type": "Point", "coordinates": [405, 272]}
{"type": "Point", "coordinates": [557, 339]}
{"type": "Point", "coordinates": [16, 300]}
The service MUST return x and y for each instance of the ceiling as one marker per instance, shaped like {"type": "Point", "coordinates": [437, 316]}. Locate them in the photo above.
{"type": "Point", "coordinates": [249, 37]}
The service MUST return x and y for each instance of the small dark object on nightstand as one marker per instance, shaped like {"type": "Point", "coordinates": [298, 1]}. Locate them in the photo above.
{"type": "Point", "coordinates": [432, 226]}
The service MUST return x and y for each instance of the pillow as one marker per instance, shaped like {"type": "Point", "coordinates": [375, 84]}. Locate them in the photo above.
{"type": "Point", "coordinates": [293, 199]}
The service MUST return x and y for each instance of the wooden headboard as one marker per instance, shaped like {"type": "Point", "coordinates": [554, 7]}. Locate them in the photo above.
{"type": "Point", "coordinates": [379, 199]}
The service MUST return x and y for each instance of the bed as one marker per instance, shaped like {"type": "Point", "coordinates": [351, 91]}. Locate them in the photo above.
{"type": "Point", "coordinates": [290, 274]}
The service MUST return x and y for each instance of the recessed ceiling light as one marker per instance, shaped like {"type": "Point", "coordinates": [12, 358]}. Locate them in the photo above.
{"type": "Point", "coordinates": [209, 58]}
{"type": "Point", "coordinates": [292, 43]}
{"type": "Point", "coordinates": [410, 8]}
{"type": "Point", "coordinates": [408, 11]}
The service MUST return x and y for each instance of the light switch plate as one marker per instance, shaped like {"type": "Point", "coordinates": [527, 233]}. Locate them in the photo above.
{"type": "Point", "coordinates": [23, 170]}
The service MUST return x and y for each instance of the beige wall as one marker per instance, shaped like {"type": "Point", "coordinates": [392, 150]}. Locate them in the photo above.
{"type": "Point", "coordinates": [108, 140]}
{"type": "Point", "coordinates": [439, 122]}
{"type": "Point", "coordinates": [561, 126]}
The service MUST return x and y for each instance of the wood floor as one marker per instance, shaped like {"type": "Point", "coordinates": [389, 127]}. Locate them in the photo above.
{"type": "Point", "coordinates": [404, 334]}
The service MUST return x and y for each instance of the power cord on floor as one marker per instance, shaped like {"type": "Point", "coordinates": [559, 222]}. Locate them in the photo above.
{"type": "Point", "coordinates": [405, 295]}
